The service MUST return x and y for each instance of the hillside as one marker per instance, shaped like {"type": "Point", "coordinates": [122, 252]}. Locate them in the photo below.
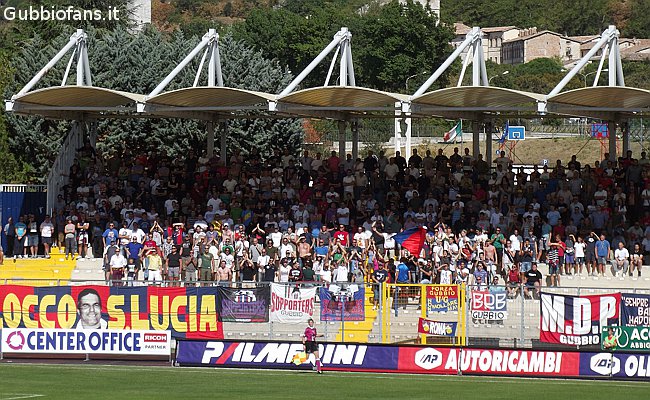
{"type": "Point", "coordinates": [573, 17]}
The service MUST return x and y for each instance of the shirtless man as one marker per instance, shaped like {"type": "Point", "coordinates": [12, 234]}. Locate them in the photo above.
{"type": "Point", "coordinates": [224, 274]}
{"type": "Point", "coordinates": [490, 254]}
{"type": "Point", "coordinates": [304, 250]}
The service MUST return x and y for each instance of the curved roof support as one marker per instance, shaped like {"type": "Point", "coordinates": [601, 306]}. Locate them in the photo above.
{"type": "Point", "coordinates": [608, 41]}
{"type": "Point", "coordinates": [209, 42]}
{"type": "Point", "coordinates": [479, 76]}
{"type": "Point", "coordinates": [78, 41]}
{"type": "Point", "coordinates": [341, 42]}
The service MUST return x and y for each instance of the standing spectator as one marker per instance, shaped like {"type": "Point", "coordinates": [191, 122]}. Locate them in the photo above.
{"type": "Point", "coordinates": [82, 237]}
{"type": "Point", "coordinates": [32, 237]}
{"type": "Point", "coordinates": [591, 257]}
{"type": "Point", "coordinates": [498, 240]}
{"type": "Point", "coordinates": [579, 248]}
{"type": "Point", "coordinates": [206, 266]}
{"type": "Point", "coordinates": [70, 232]}
{"type": "Point", "coordinates": [636, 260]}
{"type": "Point", "coordinates": [97, 239]}
{"type": "Point", "coordinates": [117, 263]}
{"type": "Point", "coordinates": [514, 281]}
{"type": "Point", "coordinates": [602, 254]}
{"type": "Point", "coordinates": [10, 233]}
{"type": "Point", "coordinates": [110, 235]}
{"type": "Point", "coordinates": [155, 267]}
{"type": "Point", "coordinates": [109, 252]}
{"type": "Point", "coordinates": [173, 261]}
{"type": "Point", "coordinates": [47, 231]}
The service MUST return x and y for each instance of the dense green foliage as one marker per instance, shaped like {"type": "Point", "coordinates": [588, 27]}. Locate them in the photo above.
{"type": "Point", "coordinates": [389, 43]}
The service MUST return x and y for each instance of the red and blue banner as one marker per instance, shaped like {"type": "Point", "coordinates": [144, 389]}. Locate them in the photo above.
{"type": "Point", "coordinates": [635, 309]}
{"type": "Point", "coordinates": [244, 305]}
{"type": "Point", "coordinates": [342, 304]}
{"type": "Point", "coordinates": [436, 328]}
{"type": "Point", "coordinates": [441, 298]}
{"type": "Point", "coordinates": [412, 239]}
{"type": "Point", "coordinates": [189, 312]}
{"type": "Point", "coordinates": [573, 320]}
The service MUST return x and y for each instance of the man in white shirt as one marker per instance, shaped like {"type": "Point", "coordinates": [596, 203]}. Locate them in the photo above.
{"type": "Point", "coordinates": [117, 264]}
{"type": "Point", "coordinates": [391, 170]}
{"type": "Point", "coordinates": [348, 183]}
{"type": "Point", "coordinates": [229, 184]}
{"type": "Point", "coordinates": [214, 201]}
{"type": "Point", "coordinates": [515, 241]}
{"type": "Point", "coordinates": [621, 259]}
{"type": "Point", "coordinates": [343, 215]}
{"type": "Point", "coordinates": [47, 230]}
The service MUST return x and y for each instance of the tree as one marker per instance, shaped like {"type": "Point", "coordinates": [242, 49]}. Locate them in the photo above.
{"type": "Point", "coordinates": [389, 42]}
{"type": "Point", "coordinates": [396, 41]}
{"type": "Point", "coordinates": [246, 68]}
{"type": "Point", "coordinates": [11, 171]}
{"type": "Point", "coordinates": [137, 63]}
{"type": "Point", "coordinates": [637, 25]}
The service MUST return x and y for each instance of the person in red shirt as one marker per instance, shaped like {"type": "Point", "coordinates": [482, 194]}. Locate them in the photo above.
{"type": "Point", "coordinates": [343, 236]}
{"type": "Point", "coordinates": [150, 247]}
{"type": "Point", "coordinates": [514, 281]}
{"type": "Point", "coordinates": [333, 162]}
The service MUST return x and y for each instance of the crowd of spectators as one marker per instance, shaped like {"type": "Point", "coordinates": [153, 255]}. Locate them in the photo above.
{"type": "Point", "coordinates": [280, 217]}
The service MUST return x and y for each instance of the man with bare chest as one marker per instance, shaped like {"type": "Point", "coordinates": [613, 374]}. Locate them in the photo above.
{"type": "Point", "coordinates": [224, 274]}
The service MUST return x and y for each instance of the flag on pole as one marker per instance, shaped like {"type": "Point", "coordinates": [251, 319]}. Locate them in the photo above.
{"type": "Point", "coordinates": [412, 239]}
{"type": "Point", "coordinates": [505, 132]}
{"type": "Point", "coordinates": [300, 358]}
{"type": "Point", "coordinates": [453, 133]}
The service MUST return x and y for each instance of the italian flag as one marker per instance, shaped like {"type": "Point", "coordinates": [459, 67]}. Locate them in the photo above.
{"type": "Point", "coordinates": [453, 133]}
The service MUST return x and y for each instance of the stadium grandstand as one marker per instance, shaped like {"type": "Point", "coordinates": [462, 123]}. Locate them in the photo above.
{"type": "Point", "coordinates": [328, 219]}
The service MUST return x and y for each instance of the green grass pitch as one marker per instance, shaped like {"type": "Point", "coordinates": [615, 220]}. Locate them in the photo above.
{"type": "Point", "coordinates": [94, 381]}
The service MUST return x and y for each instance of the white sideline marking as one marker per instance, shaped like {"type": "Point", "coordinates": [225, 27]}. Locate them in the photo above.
{"type": "Point", "coordinates": [370, 375]}
{"type": "Point", "coordinates": [16, 396]}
